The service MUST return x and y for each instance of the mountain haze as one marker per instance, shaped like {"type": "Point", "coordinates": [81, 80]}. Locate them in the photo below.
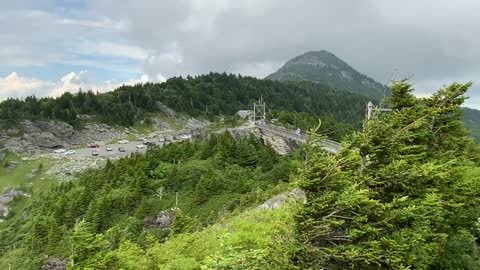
{"type": "Point", "coordinates": [326, 68]}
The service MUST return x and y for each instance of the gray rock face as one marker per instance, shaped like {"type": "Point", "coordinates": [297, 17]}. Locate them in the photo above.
{"type": "Point", "coordinates": [44, 139]}
{"type": "Point", "coordinates": [47, 135]}
{"type": "Point", "coordinates": [10, 194]}
{"type": "Point", "coordinates": [164, 220]}
{"type": "Point", "coordinates": [279, 200]}
{"type": "Point", "coordinates": [3, 211]}
{"type": "Point", "coordinates": [55, 264]}
{"type": "Point", "coordinates": [11, 164]}
{"type": "Point", "coordinates": [6, 197]}
{"type": "Point", "coordinates": [166, 110]}
{"type": "Point", "coordinates": [279, 144]}
{"type": "Point", "coordinates": [68, 169]}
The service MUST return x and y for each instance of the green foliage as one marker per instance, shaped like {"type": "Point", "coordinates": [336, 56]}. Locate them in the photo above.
{"type": "Point", "coordinates": [404, 201]}
{"type": "Point", "coordinates": [471, 118]}
{"type": "Point", "coordinates": [104, 210]}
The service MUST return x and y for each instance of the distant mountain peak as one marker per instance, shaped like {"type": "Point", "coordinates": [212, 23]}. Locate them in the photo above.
{"type": "Point", "coordinates": [325, 67]}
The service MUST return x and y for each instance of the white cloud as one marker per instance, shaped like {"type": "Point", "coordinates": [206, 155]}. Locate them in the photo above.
{"type": "Point", "coordinates": [105, 48]}
{"type": "Point", "coordinates": [104, 23]}
{"type": "Point", "coordinates": [14, 85]}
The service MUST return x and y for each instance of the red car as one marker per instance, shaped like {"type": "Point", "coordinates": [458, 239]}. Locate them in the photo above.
{"type": "Point", "coordinates": [94, 145]}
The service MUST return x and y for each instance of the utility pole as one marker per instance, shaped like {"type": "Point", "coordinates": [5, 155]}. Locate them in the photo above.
{"type": "Point", "coordinates": [370, 110]}
{"type": "Point", "coordinates": [259, 111]}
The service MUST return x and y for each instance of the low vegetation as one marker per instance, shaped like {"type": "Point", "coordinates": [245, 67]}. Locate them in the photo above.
{"type": "Point", "coordinates": [207, 182]}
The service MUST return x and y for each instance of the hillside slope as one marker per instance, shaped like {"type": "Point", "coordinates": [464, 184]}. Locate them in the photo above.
{"type": "Point", "coordinates": [324, 67]}
{"type": "Point", "coordinates": [471, 119]}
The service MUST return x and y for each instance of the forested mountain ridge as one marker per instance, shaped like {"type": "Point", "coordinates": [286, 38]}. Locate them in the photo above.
{"type": "Point", "coordinates": [471, 118]}
{"type": "Point", "coordinates": [325, 68]}
{"type": "Point", "coordinates": [208, 95]}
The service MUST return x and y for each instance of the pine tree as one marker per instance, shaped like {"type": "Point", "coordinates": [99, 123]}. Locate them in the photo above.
{"type": "Point", "coordinates": [401, 211]}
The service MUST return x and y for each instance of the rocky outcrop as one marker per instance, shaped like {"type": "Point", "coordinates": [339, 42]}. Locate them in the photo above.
{"type": "Point", "coordinates": [6, 197]}
{"type": "Point", "coordinates": [46, 135]}
{"type": "Point", "coordinates": [279, 200]}
{"type": "Point", "coordinates": [55, 264]}
{"type": "Point", "coordinates": [165, 109]}
{"type": "Point", "coordinates": [11, 164]}
{"type": "Point", "coordinates": [70, 168]}
{"type": "Point", "coordinates": [163, 220]}
{"type": "Point", "coordinates": [278, 143]}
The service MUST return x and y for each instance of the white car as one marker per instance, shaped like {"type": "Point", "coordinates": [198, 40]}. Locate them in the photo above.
{"type": "Point", "coordinates": [123, 141]}
{"type": "Point", "coordinates": [109, 148]}
{"type": "Point", "coordinates": [59, 151]}
{"type": "Point", "coordinates": [70, 152]}
{"type": "Point", "coordinates": [139, 146]}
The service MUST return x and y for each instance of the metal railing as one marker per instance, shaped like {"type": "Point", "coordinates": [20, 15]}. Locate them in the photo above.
{"type": "Point", "coordinates": [285, 132]}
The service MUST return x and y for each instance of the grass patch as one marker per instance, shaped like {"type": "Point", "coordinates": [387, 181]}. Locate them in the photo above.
{"type": "Point", "coordinates": [256, 240]}
{"type": "Point", "coordinates": [19, 176]}
{"type": "Point", "coordinates": [143, 127]}
{"type": "Point", "coordinates": [170, 121]}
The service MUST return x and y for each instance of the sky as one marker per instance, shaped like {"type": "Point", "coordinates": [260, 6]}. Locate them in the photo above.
{"type": "Point", "coordinates": [48, 47]}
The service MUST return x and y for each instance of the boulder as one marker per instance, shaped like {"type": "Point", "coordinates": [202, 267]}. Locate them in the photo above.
{"type": "Point", "coordinates": [11, 164]}
{"type": "Point", "coordinates": [163, 220]}
{"type": "Point", "coordinates": [278, 201]}
{"type": "Point", "coordinates": [55, 264]}
{"type": "Point", "coordinates": [3, 211]}
{"type": "Point", "coordinates": [10, 194]}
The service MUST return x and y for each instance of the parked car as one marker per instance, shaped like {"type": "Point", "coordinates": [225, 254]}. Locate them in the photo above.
{"type": "Point", "coordinates": [161, 140]}
{"type": "Point", "coordinates": [141, 139]}
{"type": "Point", "coordinates": [70, 152]}
{"type": "Point", "coordinates": [109, 148]}
{"type": "Point", "coordinates": [150, 143]}
{"type": "Point", "coordinates": [186, 136]}
{"type": "Point", "coordinates": [94, 153]}
{"type": "Point", "coordinates": [121, 149]}
{"type": "Point", "coordinates": [94, 145]}
{"type": "Point", "coordinates": [59, 151]}
{"type": "Point", "coordinates": [139, 146]}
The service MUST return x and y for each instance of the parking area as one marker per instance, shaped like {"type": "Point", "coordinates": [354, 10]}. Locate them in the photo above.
{"type": "Point", "coordinates": [129, 147]}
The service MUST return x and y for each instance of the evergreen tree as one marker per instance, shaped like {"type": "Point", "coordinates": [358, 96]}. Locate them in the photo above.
{"type": "Point", "coordinates": [400, 212]}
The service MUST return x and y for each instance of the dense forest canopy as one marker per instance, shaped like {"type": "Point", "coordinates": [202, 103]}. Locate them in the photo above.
{"type": "Point", "coordinates": [206, 95]}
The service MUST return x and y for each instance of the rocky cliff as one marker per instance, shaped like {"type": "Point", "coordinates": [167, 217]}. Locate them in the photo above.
{"type": "Point", "coordinates": [46, 135]}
